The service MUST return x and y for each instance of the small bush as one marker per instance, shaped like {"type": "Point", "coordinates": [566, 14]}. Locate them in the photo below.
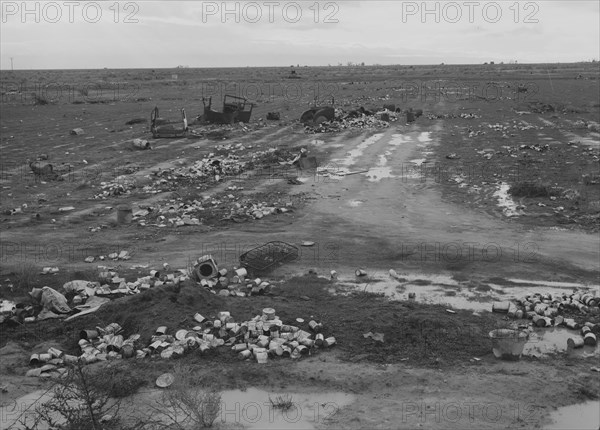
{"type": "Point", "coordinates": [284, 402]}
{"type": "Point", "coordinates": [531, 189]}
{"type": "Point", "coordinates": [186, 405]}
{"type": "Point", "coordinates": [25, 275]}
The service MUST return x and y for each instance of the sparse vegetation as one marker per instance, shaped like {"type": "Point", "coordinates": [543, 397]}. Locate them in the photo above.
{"type": "Point", "coordinates": [80, 400]}
{"type": "Point", "coordinates": [284, 402]}
{"type": "Point", "coordinates": [186, 405]}
{"type": "Point", "coordinates": [25, 274]}
{"type": "Point", "coordinates": [531, 189]}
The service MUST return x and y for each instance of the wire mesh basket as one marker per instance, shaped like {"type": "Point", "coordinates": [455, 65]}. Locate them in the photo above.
{"type": "Point", "coordinates": [265, 257]}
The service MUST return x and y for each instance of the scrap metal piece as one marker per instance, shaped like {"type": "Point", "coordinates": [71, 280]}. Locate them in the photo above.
{"type": "Point", "coordinates": [161, 127]}
{"type": "Point", "coordinates": [235, 109]}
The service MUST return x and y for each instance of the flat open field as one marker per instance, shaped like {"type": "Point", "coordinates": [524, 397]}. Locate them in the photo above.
{"type": "Point", "coordinates": [492, 194]}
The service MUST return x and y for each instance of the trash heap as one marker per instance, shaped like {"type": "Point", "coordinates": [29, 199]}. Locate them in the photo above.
{"type": "Point", "coordinates": [176, 213]}
{"type": "Point", "coordinates": [543, 310]}
{"type": "Point", "coordinates": [359, 120]}
{"type": "Point", "coordinates": [231, 165]}
{"type": "Point", "coordinates": [228, 283]}
{"type": "Point", "coordinates": [114, 285]}
{"type": "Point", "coordinates": [119, 186]}
{"type": "Point", "coordinates": [260, 338]}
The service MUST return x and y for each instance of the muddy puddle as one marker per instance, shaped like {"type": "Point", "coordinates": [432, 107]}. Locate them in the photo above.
{"type": "Point", "coordinates": [250, 409]}
{"type": "Point", "coordinates": [505, 201]}
{"type": "Point", "coordinates": [583, 416]}
{"type": "Point", "coordinates": [430, 289]}
{"type": "Point", "coordinates": [546, 341]}
{"type": "Point", "coordinates": [22, 411]}
{"type": "Point", "coordinates": [445, 291]}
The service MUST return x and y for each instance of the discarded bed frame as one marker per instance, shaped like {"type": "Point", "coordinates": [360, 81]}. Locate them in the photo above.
{"type": "Point", "coordinates": [161, 127]}
{"type": "Point", "coordinates": [266, 256]}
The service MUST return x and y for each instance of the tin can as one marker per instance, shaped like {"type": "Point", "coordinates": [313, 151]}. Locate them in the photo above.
{"type": "Point", "coordinates": [245, 354]}
{"type": "Point", "coordinates": [88, 334]}
{"type": "Point", "coordinates": [269, 313]}
{"type": "Point", "coordinates": [590, 339]}
{"type": "Point", "coordinates": [329, 341]}
{"type": "Point", "coordinates": [54, 352]}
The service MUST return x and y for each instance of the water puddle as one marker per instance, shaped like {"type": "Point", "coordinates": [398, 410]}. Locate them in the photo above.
{"type": "Point", "coordinates": [252, 409]}
{"type": "Point", "coordinates": [23, 411]}
{"type": "Point", "coordinates": [591, 140]}
{"type": "Point", "coordinates": [585, 416]}
{"type": "Point", "coordinates": [397, 140]}
{"type": "Point", "coordinates": [509, 207]}
{"type": "Point", "coordinates": [376, 174]}
{"type": "Point", "coordinates": [354, 154]}
{"type": "Point", "coordinates": [546, 341]}
{"type": "Point", "coordinates": [430, 289]}
{"type": "Point", "coordinates": [424, 137]}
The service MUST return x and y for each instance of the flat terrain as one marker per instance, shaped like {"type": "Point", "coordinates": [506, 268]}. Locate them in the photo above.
{"type": "Point", "coordinates": [497, 183]}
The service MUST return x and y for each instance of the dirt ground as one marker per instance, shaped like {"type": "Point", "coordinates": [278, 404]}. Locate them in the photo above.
{"type": "Point", "coordinates": [428, 201]}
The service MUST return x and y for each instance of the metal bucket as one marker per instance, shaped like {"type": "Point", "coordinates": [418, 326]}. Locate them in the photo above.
{"type": "Point", "coordinates": [207, 268]}
{"type": "Point", "coordinates": [508, 344]}
{"type": "Point", "coordinates": [127, 351]}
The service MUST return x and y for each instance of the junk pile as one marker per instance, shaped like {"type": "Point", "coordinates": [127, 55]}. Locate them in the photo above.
{"type": "Point", "coordinates": [119, 186]}
{"type": "Point", "coordinates": [179, 214]}
{"type": "Point", "coordinates": [330, 120]}
{"type": "Point", "coordinates": [237, 282]}
{"type": "Point", "coordinates": [258, 339]}
{"type": "Point", "coordinates": [227, 283]}
{"type": "Point", "coordinates": [210, 167]}
{"type": "Point", "coordinates": [543, 311]}
{"type": "Point", "coordinates": [86, 296]}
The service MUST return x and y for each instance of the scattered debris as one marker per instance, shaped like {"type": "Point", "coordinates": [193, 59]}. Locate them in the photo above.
{"type": "Point", "coordinates": [141, 144]}
{"type": "Point", "coordinates": [377, 337]}
{"type": "Point", "coordinates": [165, 380]}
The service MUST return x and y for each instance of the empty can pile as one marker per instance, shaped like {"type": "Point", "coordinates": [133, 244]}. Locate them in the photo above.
{"type": "Point", "coordinates": [261, 337]}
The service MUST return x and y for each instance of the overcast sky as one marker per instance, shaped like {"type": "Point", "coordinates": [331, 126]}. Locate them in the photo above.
{"type": "Point", "coordinates": [147, 34]}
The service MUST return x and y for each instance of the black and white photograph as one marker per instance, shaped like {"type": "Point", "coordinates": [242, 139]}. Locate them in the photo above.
{"type": "Point", "coordinates": [299, 215]}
